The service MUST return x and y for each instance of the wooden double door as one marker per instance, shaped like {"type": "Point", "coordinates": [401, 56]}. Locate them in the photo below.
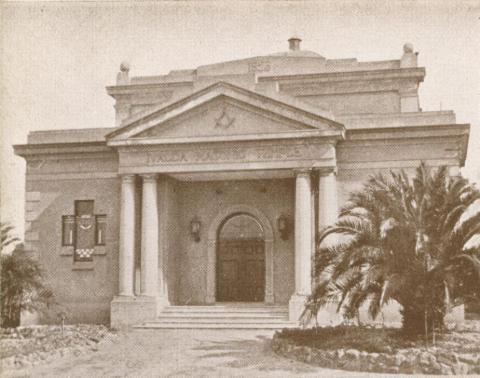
{"type": "Point", "coordinates": [241, 270]}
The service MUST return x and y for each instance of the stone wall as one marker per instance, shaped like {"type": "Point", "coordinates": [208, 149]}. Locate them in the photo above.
{"type": "Point", "coordinates": [441, 359]}
{"type": "Point", "coordinates": [357, 103]}
{"type": "Point", "coordinates": [84, 290]}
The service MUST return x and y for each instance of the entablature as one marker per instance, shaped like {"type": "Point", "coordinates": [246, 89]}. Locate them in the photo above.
{"type": "Point", "coordinates": [446, 143]}
{"type": "Point", "coordinates": [228, 156]}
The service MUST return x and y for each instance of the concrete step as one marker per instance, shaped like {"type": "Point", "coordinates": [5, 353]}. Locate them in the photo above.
{"type": "Point", "coordinates": [246, 320]}
{"type": "Point", "coordinates": [217, 325]}
{"type": "Point", "coordinates": [224, 316]}
{"type": "Point", "coordinates": [221, 315]}
{"type": "Point", "coordinates": [226, 309]}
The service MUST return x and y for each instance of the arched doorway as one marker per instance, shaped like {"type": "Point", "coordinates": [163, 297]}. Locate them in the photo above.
{"type": "Point", "coordinates": [240, 265]}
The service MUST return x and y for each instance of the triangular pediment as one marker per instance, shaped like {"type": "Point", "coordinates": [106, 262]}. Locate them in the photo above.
{"type": "Point", "coordinates": [222, 116]}
{"type": "Point", "coordinates": [223, 110]}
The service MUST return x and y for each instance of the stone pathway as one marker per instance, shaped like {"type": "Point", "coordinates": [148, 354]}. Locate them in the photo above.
{"type": "Point", "coordinates": [181, 353]}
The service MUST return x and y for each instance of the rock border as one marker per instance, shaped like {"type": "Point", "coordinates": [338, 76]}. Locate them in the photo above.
{"type": "Point", "coordinates": [19, 361]}
{"type": "Point", "coordinates": [405, 361]}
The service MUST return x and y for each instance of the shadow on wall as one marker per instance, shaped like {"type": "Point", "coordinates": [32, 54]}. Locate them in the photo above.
{"type": "Point", "coordinates": [472, 310]}
{"type": "Point", "coordinates": [389, 316]}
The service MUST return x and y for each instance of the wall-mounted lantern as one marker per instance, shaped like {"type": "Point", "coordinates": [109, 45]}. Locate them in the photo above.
{"type": "Point", "coordinates": [283, 226]}
{"type": "Point", "coordinates": [195, 226]}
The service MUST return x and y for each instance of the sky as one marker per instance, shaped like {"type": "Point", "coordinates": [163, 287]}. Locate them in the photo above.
{"type": "Point", "coordinates": [58, 57]}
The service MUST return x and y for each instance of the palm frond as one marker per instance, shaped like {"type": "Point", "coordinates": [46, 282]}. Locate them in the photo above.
{"type": "Point", "coordinates": [389, 231]}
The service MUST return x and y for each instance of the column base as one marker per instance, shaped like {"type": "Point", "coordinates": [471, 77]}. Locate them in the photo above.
{"type": "Point", "coordinates": [269, 299]}
{"type": "Point", "coordinates": [456, 315]}
{"type": "Point", "coordinates": [210, 300]}
{"type": "Point", "coordinates": [126, 311]}
{"type": "Point", "coordinates": [296, 305]}
{"type": "Point", "coordinates": [162, 302]}
{"type": "Point", "coordinates": [28, 318]}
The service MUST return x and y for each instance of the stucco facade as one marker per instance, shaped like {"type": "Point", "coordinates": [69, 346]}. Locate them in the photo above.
{"type": "Point", "coordinates": [281, 138]}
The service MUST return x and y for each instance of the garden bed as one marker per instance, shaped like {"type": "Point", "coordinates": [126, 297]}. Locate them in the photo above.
{"type": "Point", "coordinates": [25, 346]}
{"type": "Point", "coordinates": [381, 350]}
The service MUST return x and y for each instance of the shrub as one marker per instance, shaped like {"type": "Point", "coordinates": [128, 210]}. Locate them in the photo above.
{"type": "Point", "coordinates": [366, 339]}
{"type": "Point", "coordinates": [21, 283]}
{"type": "Point", "coordinates": [403, 240]}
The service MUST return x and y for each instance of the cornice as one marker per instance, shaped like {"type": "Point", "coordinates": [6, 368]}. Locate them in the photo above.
{"type": "Point", "coordinates": [402, 132]}
{"type": "Point", "coordinates": [331, 136]}
{"type": "Point", "coordinates": [114, 90]}
{"type": "Point", "coordinates": [416, 72]}
{"type": "Point", "coordinates": [25, 150]}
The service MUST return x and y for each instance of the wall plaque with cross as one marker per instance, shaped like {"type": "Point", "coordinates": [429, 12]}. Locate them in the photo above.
{"type": "Point", "coordinates": [84, 230]}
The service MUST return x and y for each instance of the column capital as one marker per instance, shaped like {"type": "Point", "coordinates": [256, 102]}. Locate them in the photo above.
{"type": "Point", "coordinates": [128, 177]}
{"type": "Point", "coordinates": [327, 171]}
{"type": "Point", "coordinates": [303, 172]}
{"type": "Point", "coordinates": [149, 177]}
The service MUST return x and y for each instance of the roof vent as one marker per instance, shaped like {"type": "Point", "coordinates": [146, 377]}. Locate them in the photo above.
{"type": "Point", "coordinates": [294, 43]}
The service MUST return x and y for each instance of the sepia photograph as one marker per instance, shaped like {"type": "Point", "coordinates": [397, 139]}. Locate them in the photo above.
{"type": "Point", "coordinates": [240, 188]}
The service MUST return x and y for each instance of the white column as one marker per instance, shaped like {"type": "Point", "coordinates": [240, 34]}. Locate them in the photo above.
{"type": "Point", "coordinates": [127, 236]}
{"type": "Point", "coordinates": [327, 199]}
{"type": "Point", "coordinates": [303, 233]}
{"type": "Point", "coordinates": [149, 251]}
{"type": "Point", "coordinates": [165, 208]}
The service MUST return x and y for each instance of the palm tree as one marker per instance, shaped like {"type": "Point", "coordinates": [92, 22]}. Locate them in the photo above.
{"type": "Point", "coordinates": [6, 237]}
{"type": "Point", "coordinates": [21, 281]}
{"type": "Point", "coordinates": [402, 240]}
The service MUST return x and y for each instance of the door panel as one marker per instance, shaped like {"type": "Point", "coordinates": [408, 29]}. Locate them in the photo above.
{"type": "Point", "coordinates": [229, 275]}
{"type": "Point", "coordinates": [241, 271]}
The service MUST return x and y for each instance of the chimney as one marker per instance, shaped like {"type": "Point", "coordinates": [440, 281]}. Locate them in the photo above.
{"type": "Point", "coordinates": [294, 43]}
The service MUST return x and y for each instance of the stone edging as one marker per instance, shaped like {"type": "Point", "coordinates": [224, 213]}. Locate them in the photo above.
{"type": "Point", "coordinates": [34, 358]}
{"type": "Point", "coordinates": [406, 361]}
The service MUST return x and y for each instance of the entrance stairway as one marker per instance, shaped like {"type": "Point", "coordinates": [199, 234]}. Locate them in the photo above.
{"type": "Point", "coordinates": [223, 316]}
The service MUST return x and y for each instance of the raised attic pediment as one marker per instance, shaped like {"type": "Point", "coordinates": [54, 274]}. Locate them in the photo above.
{"type": "Point", "coordinates": [224, 110]}
{"type": "Point", "coordinates": [222, 117]}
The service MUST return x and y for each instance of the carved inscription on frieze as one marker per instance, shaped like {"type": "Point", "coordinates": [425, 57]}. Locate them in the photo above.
{"type": "Point", "coordinates": [200, 156]}
{"type": "Point", "coordinates": [236, 154]}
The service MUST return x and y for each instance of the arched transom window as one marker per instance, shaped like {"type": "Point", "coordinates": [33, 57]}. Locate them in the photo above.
{"type": "Point", "coordinates": [241, 226]}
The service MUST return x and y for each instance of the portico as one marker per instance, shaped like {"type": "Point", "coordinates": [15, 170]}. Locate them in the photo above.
{"type": "Point", "coordinates": [152, 270]}
{"type": "Point", "coordinates": [292, 151]}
